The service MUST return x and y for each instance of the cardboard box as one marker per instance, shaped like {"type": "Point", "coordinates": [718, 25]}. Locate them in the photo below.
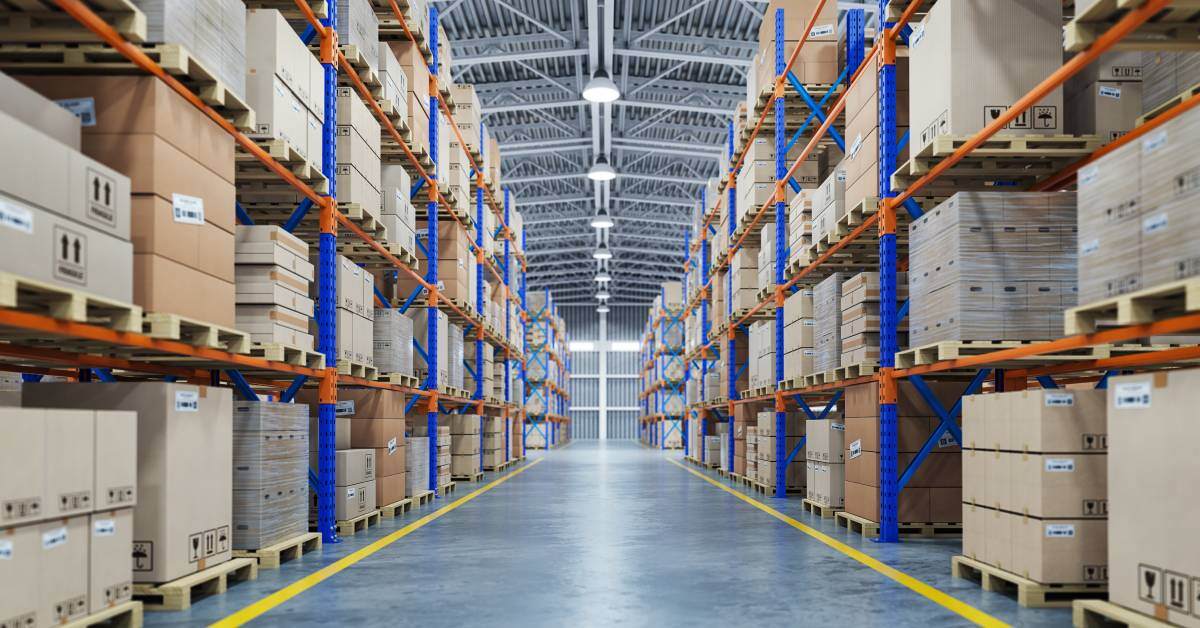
{"type": "Point", "coordinates": [115, 459]}
{"type": "Point", "coordinates": [280, 114]}
{"type": "Point", "coordinates": [827, 483]}
{"type": "Point", "coordinates": [110, 574]}
{"type": "Point", "coordinates": [20, 574]}
{"type": "Point", "coordinates": [377, 433]}
{"type": "Point", "coordinates": [182, 524]}
{"type": "Point", "coordinates": [70, 473]}
{"type": "Point", "coordinates": [1053, 486]}
{"type": "Point", "coordinates": [1107, 109]}
{"type": "Point", "coordinates": [863, 400]}
{"type": "Point", "coordinates": [275, 253]}
{"type": "Point", "coordinates": [275, 49]}
{"type": "Point", "coordinates": [35, 110]}
{"type": "Point", "coordinates": [826, 440]}
{"type": "Point", "coordinates": [1059, 551]}
{"type": "Point", "coordinates": [390, 489]}
{"type": "Point", "coordinates": [23, 481]}
{"type": "Point", "coordinates": [164, 285]}
{"type": "Point", "coordinates": [355, 466]}
{"type": "Point", "coordinates": [355, 500]}
{"type": "Point", "coordinates": [342, 429]}
{"type": "Point", "coordinates": [63, 569]}
{"type": "Point", "coordinates": [389, 460]}
{"type": "Point", "coordinates": [464, 444]}
{"type": "Point", "coordinates": [160, 228]}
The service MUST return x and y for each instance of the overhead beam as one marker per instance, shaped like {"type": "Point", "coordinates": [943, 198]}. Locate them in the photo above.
{"type": "Point", "coordinates": [620, 175]}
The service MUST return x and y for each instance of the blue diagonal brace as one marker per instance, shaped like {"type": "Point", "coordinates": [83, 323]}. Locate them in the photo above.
{"type": "Point", "coordinates": [242, 215]}
{"type": "Point", "coordinates": [412, 401]}
{"type": "Point", "coordinates": [812, 116]}
{"type": "Point", "coordinates": [947, 421]}
{"type": "Point", "coordinates": [240, 383]}
{"type": "Point", "coordinates": [290, 394]}
{"type": "Point", "coordinates": [412, 297]}
{"type": "Point", "coordinates": [104, 375]}
{"type": "Point", "coordinates": [416, 189]}
{"type": "Point", "coordinates": [298, 215]}
{"type": "Point", "coordinates": [1047, 382]}
{"type": "Point", "coordinates": [795, 450]}
{"type": "Point", "coordinates": [382, 297]}
{"type": "Point", "coordinates": [816, 108]}
{"type": "Point", "coordinates": [1103, 383]}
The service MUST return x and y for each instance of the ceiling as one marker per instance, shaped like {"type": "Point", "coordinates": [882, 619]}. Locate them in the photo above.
{"type": "Point", "coordinates": [680, 66]}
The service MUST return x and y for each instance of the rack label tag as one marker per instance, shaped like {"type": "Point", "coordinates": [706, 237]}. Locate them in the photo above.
{"type": "Point", "coordinates": [1110, 92]}
{"type": "Point", "coordinates": [1060, 530]}
{"type": "Point", "coordinates": [345, 408]}
{"type": "Point", "coordinates": [1132, 395]}
{"type": "Point", "coordinates": [391, 447]}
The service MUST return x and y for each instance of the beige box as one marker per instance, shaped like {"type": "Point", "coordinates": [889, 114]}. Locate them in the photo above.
{"type": "Point", "coordinates": [1059, 551]}
{"type": "Point", "coordinates": [465, 423]}
{"type": "Point", "coordinates": [974, 522]}
{"type": "Point", "coordinates": [355, 466]}
{"type": "Point", "coordinates": [827, 484]}
{"type": "Point", "coordinates": [70, 461]}
{"type": "Point", "coordinates": [355, 500]}
{"type": "Point", "coordinates": [164, 285]}
{"type": "Point", "coordinates": [115, 459]}
{"type": "Point", "coordinates": [464, 444]}
{"type": "Point", "coordinates": [159, 228]}
{"type": "Point", "coordinates": [465, 464]}
{"type": "Point", "coordinates": [998, 535]}
{"type": "Point", "coordinates": [23, 478]}
{"type": "Point", "coordinates": [826, 440]}
{"type": "Point", "coordinates": [36, 111]}
{"type": "Point", "coordinates": [364, 340]}
{"type": "Point", "coordinates": [275, 253]}
{"type": "Point", "coordinates": [280, 114]}
{"type": "Point", "coordinates": [20, 575]}
{"type": "Point", "coordinates": [275, 49]}
{"type": "Point", "coordinates": [1049, 421]}
{"type": "Point", "coordinates": [185, 436]}
{"type": "Point", "coordinates": [63, 570]}
{"type": "Point", "coordinates": [1151, 420]}
{"type": "Point", "coordinates": [1023, 47]}
{"type": "Point", "coordinates": [110, 572]}
{"type": "Point", "coordinates": [1051, 486]}
{"type": "Point", "coordinates": [1104, 108]}
{"type": "Point", "coordinates": [974, 481]}
{"type": "Point", "coordinates": [355, 187]}
{"type": "Point", "coordinates": [342, 431]}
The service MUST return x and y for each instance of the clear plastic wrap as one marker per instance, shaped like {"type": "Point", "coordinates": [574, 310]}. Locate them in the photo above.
{"type": "Point", "coordinates": [827, 312]}
{"type": "Point", "coordinates": [393, 343]}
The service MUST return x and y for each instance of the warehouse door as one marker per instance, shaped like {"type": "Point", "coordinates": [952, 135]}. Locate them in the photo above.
{"type": "Point", "coordinates": [604, 371]}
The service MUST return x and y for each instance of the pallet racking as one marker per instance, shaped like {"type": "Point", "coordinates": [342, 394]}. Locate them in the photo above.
{"type": "Point", "coordinates": [47, 343]}
{"type": "Point", "coordinates": [663, 398]}
{"type": "Point", "coordinates": [1009, 368]}
{"type": "Point", "coordinates": [546, 393]}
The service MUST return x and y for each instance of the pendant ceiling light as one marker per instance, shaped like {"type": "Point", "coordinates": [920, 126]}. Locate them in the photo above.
{"type": "Point", "coordinates": [601, 88]}
{"type": "Point", "coordinates": [601, 171]}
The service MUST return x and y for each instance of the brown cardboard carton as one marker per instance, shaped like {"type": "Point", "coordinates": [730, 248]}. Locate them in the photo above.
{"type": "Point", "coordinates": [863, 400]}
{"type": "Point", "coordinates": [974, 480]}
{"type": "Point", "coordinates": [945, 504]}
{"type": "Point", "coordinates": [464, 464]}
{"type": "Point", "coordinates": [341, 429]}
{"type": "Point", "coordinates": [355, 466]}
{"type": "Point", "coordinates": [70, 462]}
{"type": "Point", "coordinates": [1058, 485]}
{"type": "Point", "coordinates": [204, 246]}
{"type": "Point", "coordinates": [998, 479]}
{"type": "Point", "coordinates": [1060, 551]}
{"type": "Point", "coordinates": [826, 440]}
{"type": "Point", "coordinates": [23, 480]}
{"type": "Point", "coordinates": [163, 285]}
{"type": "Point", "coordinates": [1105, 108]}
{"type": "Point", "coordinates": [464, 444]}
{"type": "Point", "coordinates": [863, 501]}
{"type": "Point", "coordinates": [376, 433]}
{"type": "Point", "coordinates": [827, 485]}
{"type": "Point", "coordinates": [184, 437]}
{"type": "Point", "coordinates": [862, 433]}
{"type": "Point", "coordinates": [1056, 421]}
{"type": "Point", "coordinates": [390, 489]}
{"type": "Point", "coordinates": [389, 461]}
{"type": "Point", "coordinates": [63, 569]}
{"type": "Point", "coordinates": [998, 544]}
{"type": "Point", "coordinates": [361, 403]}
{"type": "Point", "coordinates": [115, 459]}
{"type": "Point", "coordinates": [110, 574]}
{"type": "Point", "coordinates": [355, 500]}
{"type": "Point", "coordinates": [277, 254]}
{"type": "Point", "coordinates": [20, 575]}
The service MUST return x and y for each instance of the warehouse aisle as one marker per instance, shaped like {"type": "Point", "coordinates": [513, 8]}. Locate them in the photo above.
{"type": "Point", "coordinates": [600, 534]}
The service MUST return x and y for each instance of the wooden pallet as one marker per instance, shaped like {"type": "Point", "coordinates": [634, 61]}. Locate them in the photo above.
{"type": "Point", "coordinates": [398, 379]}
{"type": "Point", "coordinates": [1003, 159]}
{"type": "Point", "coordinates": [866, 527]}
{"type": "Point", "coordinates": [272, 202]}
{"type": "Point", "coordinates": [193, 332]}
{"type": "Point", "coordinates": [275, 555]}
{"type": "Point", "coordinates": [249, 169]}
{"type": "Point", "coordinates": [357, 60]}
{"type": "Point", "coordinates": [422, 498]}
{"type": "Point", "coordinates": [470, 477]}
{"type": "Point", "coordinates": [824, 377]}
{"type": "Point", "coordinates": [821, 510]}
{"type": "Point", "coordinates": [447, 488]}
{"type": "Point", "coordinates": [1169, 104]}
{"type": "Point", "coordinates": [123, 615]}
{"type": "Point", "coordinates": [1029, 594]}
{"type": "Point", "coordinates": [178, 595]}
{"type": "Point", "coordinates": [1102, 614]}
{"type": "Point", "coordinates": [91, 58]}
{"type": "Point", "coordinates": [953, 349]}
{"type": "Point", "coordinates": [355, 369]}
{"type": "Point", "coordinates": [1144, 306]}
{"type": "Point", "coordinates": [42, 21]}
{"type": "Point", "coordinates": [766, 489]}
{"type": "Point", "coordinates": [862, 369]}
{"type": "Point", "coordinates": [289, 9]}
{"type": "Point", "coordinates": [351, 527]}
{"type": "Point", "coordinates": [28, 295]}
{"type": "Point", "coordinates": [500, 467]}
{"type": "Point", "coordinates": [1172, 29]}
{"type": "Point", "coordinates": [287, 354]}
{"type": "Point", "coordinates": [393, 510]}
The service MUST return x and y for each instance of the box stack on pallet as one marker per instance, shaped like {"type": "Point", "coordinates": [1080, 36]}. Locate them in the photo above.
{"type": "Point", "coordinates": [825, 485]}
{"type": "Point", "coordinates": [270, 473]}
{"type": "Point", "coordinates": [768, 454]}
{"type": "Point", "coordinates": [465, 442]}
{"type": "Point", "coordinates": [545, 373]}
{"type": "Point", "coordinates": [273, 280]}
{"type": "Point", "coordinates": [664, 376]}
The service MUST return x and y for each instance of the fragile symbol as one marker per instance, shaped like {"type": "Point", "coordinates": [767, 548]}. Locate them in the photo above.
{"type": "Point", "coordinates": [194, 549]}
{"type": "Point", "coordinates": [69, 256]}
{"type": "Point", "coordinates": [1150, 584]}
{"type": "Point", "coordinates": [210, 543]}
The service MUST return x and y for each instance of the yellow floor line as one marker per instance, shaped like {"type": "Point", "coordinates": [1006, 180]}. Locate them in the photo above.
{"type": "Point", "coordinates": [945, 600]}
{"type": "Point", "coordinates": [252, 611]}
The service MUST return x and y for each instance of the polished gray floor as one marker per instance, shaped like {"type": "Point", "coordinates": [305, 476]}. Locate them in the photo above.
{"type": "Point", "coordinates": [613, 534]}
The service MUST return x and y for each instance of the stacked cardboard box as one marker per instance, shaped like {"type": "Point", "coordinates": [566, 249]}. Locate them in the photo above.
{"type": "Point", "coordinates": [752, 453]}
{"type": "Point", "coordinates": [421, 337]}
{"type": "Point", "coordinates": [465, 443]}
{"type": "Point", "coordinates": [934, 493]}
{"type": "Point", "coordinates": [455, 354]}
{"type": "Point", "coordinates": [394, 84]}
{"type": "Point", "coordinates": [1024, 46]}
{"type": "Point", "coordinates": [1135, 219]}
{"type": "Point", "coordinates": [355, 313]}
{"type": "Point", "coordinates": [799, 342]}
{"type": "Point", "coordinates": [1105, 99]}
{"type": "Point", "coordinates": [739, 356]}
{"type": "Point", "coordinates": [50, 191]}
{"type": "Point", "coordinates": [214, 33]}
{"type": "Point", "coordinates": [861, 165]}
{"type": "Point", "coordinates": [826, 477]}
{"type": "Point", "coordinates": [800, 228]}
{"type": "Point", "coordinates": [827, 314]}
{"type": "Point", "coordinates": [416, 465]}
{"type": "Point", "coordinates": [723, 436]}
{"type": "Point", "coordinates": [516, 440]}
{"type": "Point", "coordinates": [285, 85]}
{"type": "Point", "coordinates": [818, 60]}
{"type": "Point", "coordinates": [828, 205]}
{"type": "Point", "coordinates": [493, 442]}
{"type": "Point", "coordinates": [860, 317]}
{"type": "Point", "coordinates": [768, 455]}
{"type": "Point", "coordinates": [185, 489]}
{"type": "Point", "coordinates": [1035, 484]}
{"type": "Point", "coordinates": [270, 473]}
{"type": "Point", "coordinates": [992, 266]}
{"type": "Point", "coordinates": [393, 341]}
{"type": "Point", "coordinates": [1165, 75]}
{"type": "Point", "coordinates": [399, 215]}
{"type": "Point", "coordinates": [1149, 477]}
{"type": "Point", "coordinates": [358, 148]}
{"type": "Point", "coordinates": [181, 169]}
{"type": "Point", "coordinates": [762, 354]}
{"type": "Point", "coordinates": [68, 483]}
{"type": "Point", "coordinates": [377, 424]}
{"type": "Point", "coordinates": [744, 415]}
{"type": "Point", "coordinates": [273, 280]}
{"type": "Point", "coordinates": [672, 433]}
{"type": "Point", "coordinates": [712, 448]}
{"type": "Point", "coordinates": [743, 276]}
{"type": "Point", "coordinates": [456, 264]}
{"type": "Point", "coordinates": [412, 62]}
{"type": "Point", "coordinates": [444, 445]}
{"type": "Point", "coordinates": [359, 27]}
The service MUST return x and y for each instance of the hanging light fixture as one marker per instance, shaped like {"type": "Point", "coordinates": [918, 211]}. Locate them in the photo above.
{"type": "Point", "coordinates": [603, 309]}
{"type": "Point", "coordinates": [602, 252]}
{"type": "Point", "coordinates": [602, 276]}
{"type": "Point", "coordinates": [602, 219]}
{"type": "Point", "coordinates": [603, 295]}
{"type": "Point", "coordinates": [601, 88]}
{"type": "Point", "coordinates": [601, 170]}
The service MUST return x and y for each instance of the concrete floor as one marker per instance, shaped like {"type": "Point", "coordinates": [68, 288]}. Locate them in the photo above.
{"type": "Point", "coordinates": [613, 533]}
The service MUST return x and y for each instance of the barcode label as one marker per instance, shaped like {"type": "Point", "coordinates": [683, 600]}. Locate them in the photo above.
{"type": "Point", "coordinates": [856, 449]}
{"type": "Point", "coordinates": [345, 408]}
{"type": "Point", "coordinates": [823, 30]}
{"type": "Point", "coordinates": [15, 217]}
{"type": "Point", "coordinates": [1154, 142]}
{"type": "Point", "coordinates": [1110, 92]}
{"type": "Point", "coordinates": [187, 401]}
{"type": "Point", "coordinates": [1089, 174]}
{"type": "Point", "coordinates": [104, 527]}
{"type": "Point", "coordinates": [854, 148]}
{"type": "Point", "coordinates": [1059, 399]}
{"type": "Point", "coordinates": [1060, 530]}
{"type": "Point", "coordinates": [83, 108]}
{"type": "Point", "coordinates": [6, 550]}
{"type": "Point", "coordinates": [54, 538]}
{"type": "Point", "coordinates": [1132, 395]}
{"type": "Point", "coordinates": [188, 209]}
{"type": "Point", "coordinates": [391, 446]}
{"type": "Point", "coordinates": [1060, 465]}
{"type": "Point", "coordinates": [1154, 223]}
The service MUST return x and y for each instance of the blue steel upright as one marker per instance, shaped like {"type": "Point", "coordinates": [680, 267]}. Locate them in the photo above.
{"type": "Point", "coordinates": [781, 168]}
{"type": "Point", "coordinates": [731, 362]}
{"type": "Point", "coordinates": [687, 367]}
{"type": "Point", "coordinates": [507, 355]}
{"type": "Point", "coordinates": [889, 490]}
{"type": "Point", "coordinates": [521, 289]}
{"type": "Point", "coordinates": [327, 302]}
{"type": "Point", "coordinates": [431, 275]}
{"type": "Point", "coordinates": [703, 321]}
{"type": "Point", "coordinates": [480, 256]}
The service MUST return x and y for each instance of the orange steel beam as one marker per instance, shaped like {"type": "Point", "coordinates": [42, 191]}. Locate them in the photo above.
{"type": "Point", "coordinates": [95, 361]}
{"type": "Point", "coordinates": [1133, 360]}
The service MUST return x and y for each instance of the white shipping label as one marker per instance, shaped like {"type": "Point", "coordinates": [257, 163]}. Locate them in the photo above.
{"type": "Point", "coordinates": [1060, 530]}
{"type": "Point", "coordinates": [854, 148]}
{"type": "Point", "coordinates": [1154, 142]}
{"type": "Point", "coordinates": [1060, 465]}
{"type": "Point", "coordinates": [918, 34]}
{"type": "Point", "coordinates": [16, 217]}
{"type": "Point", "coordinates": [1110, 92]}
{"type": "Point", "coordinates": [1154, 224]}
{"type": "Point", "coordinates": [104, 527]}
{"type": "Point", "coordinates": [823, 30]}
{"type": "Point", "coordinates": [83, 108]}
{"type": "Point", "coordinates": [6, 549]}
{"type": "Point", "coordinates": [187, 401]}
{"type": "Point", "coordinates": [1132, 395]}
{"type": "Point", "coordinates": [1059, 399]}
{"type": "Point", "coordinates": [188, 209]}
{"type": "Point", "coordinates": [391, 446]}
{"type": "Point", "coordinates": [946, 440]}
{"type": "Point", "coordinates": [856, 449]}
{"type": "Point", "coordinates": [841, 427]}
{"type": "Point", "coordinates": [54, 538]}
{"type": "Point", "coordinates": [345, 408]}
{"type": "Point", "coordinates": [349, 491]}
{"type": "Point", "coordinates": [841, 175]}
{"type": "Point", "coordinates": [1089, 247]}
